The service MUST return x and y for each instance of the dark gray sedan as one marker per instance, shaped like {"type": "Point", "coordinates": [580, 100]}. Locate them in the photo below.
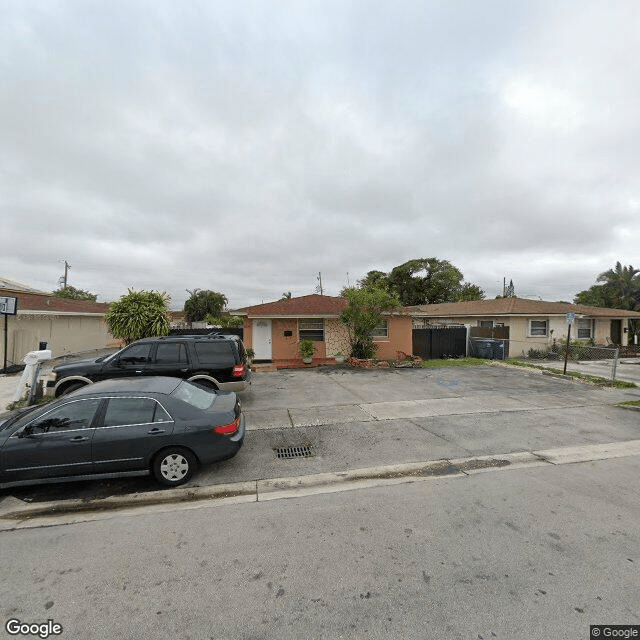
{"type": "Point", "coordinates": [164, 426]}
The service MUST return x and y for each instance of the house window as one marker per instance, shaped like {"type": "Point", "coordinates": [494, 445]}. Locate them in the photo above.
{"type": "Point", "coordinates": [311, 330]}
{"type": "Point", "coordinates": [486, 324]}
{"type": "Point", "coordinates": [381, 331]}
{"type": "Point", "coordinates": [583, 328]}
{"type": "Point", "coordinates": [537, 327]}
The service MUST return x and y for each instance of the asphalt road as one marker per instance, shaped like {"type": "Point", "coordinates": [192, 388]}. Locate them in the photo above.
{"type": "Point", "coordinates": [358, 418]}
{"type": "Point", "coordinates": [536, 553]}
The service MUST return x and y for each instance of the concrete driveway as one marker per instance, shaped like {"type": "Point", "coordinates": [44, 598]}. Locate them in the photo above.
{"type": "Point", "coordinates": [351, 419]}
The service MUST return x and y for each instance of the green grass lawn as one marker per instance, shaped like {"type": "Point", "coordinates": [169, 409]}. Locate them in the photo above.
{"type": "Point", "coordinates": [629, 403]}
{"type": "Point", "coordinates": [454, 362]}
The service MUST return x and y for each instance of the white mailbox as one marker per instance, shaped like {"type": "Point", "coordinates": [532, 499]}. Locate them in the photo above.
{"type": "Point", "coordinates": [29, 377]}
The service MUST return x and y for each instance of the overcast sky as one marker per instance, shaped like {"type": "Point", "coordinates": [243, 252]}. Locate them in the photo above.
{"type": "Point", "coordinates": [246, 146]}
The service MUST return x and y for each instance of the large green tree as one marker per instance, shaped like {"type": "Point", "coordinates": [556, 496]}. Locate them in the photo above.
{"type": "Point", "coordinates": [363, 314]}
{"type": "Point", "coordinates": [424, 281]}
{"type": "Point", "coordinates": [375, 278]}
{"type": "Point", "coordinates": [619, 289]}
{"type": "Point", "coordinates": [139, 314]}
{"type": "Point", "coordinates": [74, 294]}
{"type": "Point", "coordinates": [203, 303]}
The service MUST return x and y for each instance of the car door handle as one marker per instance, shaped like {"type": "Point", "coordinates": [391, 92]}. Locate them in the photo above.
{"type": "Point", "coordinates": [138, 371]}
{"type": "Point", "coordinates": [155, 430]}
{"type": "Point", "coordinates": [184, 370]}
{"type": "Point", "coordinates": [78, 439]}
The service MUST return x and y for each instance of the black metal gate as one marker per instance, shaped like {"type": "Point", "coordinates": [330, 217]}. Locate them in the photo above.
{"type": "Point", "coordinates": [433, 343]}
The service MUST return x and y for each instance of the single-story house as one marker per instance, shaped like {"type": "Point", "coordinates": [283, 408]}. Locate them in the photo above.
{"type": "Point", "coordinates": [67, 326]}
{"type": "Point", "coordinates": [532, 324]}
{"type": "Point", "coordinates": [274, 329]}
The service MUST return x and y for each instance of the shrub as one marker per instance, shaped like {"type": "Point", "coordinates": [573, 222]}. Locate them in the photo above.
{"type": "Point", "coordinates": [306, 349]}
{"type": "Point", "coordinates": [139, 314]}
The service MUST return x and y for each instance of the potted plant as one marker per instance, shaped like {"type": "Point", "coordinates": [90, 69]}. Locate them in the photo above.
{"type": "Point", "coordinates": [250, 354]}
{"type": "Point", "coordinates": [339, 357]}
{"type": "Point", "coordinates": [306, 350]}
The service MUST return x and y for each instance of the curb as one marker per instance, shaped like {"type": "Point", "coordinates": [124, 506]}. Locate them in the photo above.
{"type": "Point", "coordinates": [15, 514]}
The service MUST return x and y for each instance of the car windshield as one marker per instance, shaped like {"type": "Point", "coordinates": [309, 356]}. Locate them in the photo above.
{"type": "Point", "coordinates": [112, 356]}
{"type": "Point", "coordinates": [194, 395]}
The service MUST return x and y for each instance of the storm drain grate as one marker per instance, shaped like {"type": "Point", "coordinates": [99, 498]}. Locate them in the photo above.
{"type": "Point", "coordinates": [301, 451]}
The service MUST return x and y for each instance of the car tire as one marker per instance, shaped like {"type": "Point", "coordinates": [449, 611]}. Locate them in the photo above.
{"type": "Point", "coordinates": [72, 386]}
{"type": "Point", "coordinates": [174, 466]}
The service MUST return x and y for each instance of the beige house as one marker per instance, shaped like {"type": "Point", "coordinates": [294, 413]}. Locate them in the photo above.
{"type": "Point", "coordinates": [532, 324]}
{"type": "Point", "coordinates": [67, 326]}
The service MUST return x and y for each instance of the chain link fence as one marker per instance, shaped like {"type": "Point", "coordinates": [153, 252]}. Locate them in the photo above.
{"type": "Point", "coordinates": [576, 351]}
{"type": "Point", "coordinates": [492, 348]}
{"type": "Point", "coordinates": [580, 357]}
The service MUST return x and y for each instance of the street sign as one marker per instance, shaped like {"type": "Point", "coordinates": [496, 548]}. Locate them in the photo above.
{"type": "Point", "coordinates": [571, 317]}
{"type": "Point", "coordinates": [9, 306]}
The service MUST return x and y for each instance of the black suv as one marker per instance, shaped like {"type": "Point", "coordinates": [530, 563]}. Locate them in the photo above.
{"type": "Point", "coordinates": [215, 360]}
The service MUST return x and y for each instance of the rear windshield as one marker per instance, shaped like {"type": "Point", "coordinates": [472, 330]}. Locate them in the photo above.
{"type": "Point", "coordinates": [216, 353]}
{"type": "Point", "coordinates": [194, 395]}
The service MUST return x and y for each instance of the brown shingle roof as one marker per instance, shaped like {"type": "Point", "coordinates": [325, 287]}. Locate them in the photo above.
{"type": "Point", "coordinates": [515, 306]}
{"type": "Point", "coordinates": [312, 305]}
{"type": "Point", "coordinates": [52, 304]}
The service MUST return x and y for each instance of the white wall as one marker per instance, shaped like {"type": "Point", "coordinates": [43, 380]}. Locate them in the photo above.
{"type": "Point", "coordinates": [62, 333]}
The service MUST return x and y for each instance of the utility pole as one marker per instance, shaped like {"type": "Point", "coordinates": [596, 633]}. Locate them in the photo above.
{"type": "Point", "coordinates": [63, 279]}
{"type": "Point", "coordinates": [566, 353]}
{"type": "Point", "coordinates": [319, 287]}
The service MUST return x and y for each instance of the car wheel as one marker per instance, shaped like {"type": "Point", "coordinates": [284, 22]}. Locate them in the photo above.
{"type": "Point", "coordinates": [72, 386]}
{"type": "Point", "coordinates": [173, 467]}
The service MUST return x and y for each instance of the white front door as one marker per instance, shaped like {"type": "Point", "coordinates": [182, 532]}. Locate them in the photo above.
{"type": "Point", "coordinates": [261, 339]}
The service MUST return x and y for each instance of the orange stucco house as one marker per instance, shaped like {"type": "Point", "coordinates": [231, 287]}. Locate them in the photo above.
{"type": "Point", "coordinates": [274, 329]}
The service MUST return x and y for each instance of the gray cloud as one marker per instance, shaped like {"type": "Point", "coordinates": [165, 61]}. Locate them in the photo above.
{"type": "Point", "coordinates": [244, 147]}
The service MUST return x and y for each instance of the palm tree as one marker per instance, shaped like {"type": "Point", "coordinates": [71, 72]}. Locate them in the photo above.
{"type": "Point", "coordinates": [623, 285]}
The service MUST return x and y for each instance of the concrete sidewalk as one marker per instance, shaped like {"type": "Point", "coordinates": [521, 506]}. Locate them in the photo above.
{"type": "Point", "coordinates": [8, 386]}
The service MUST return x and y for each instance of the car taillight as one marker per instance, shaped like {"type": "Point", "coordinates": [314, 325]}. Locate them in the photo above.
{"type": "Point", "coordinates": [238, 371]}
{"type": "Point", "coordinates": [226, 429]}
